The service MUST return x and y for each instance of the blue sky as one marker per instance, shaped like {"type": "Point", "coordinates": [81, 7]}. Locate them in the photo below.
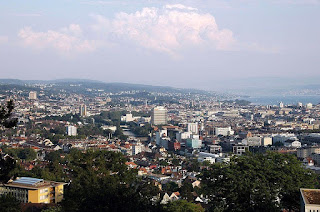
{"type": "Point", "coordinates": [214, 45]}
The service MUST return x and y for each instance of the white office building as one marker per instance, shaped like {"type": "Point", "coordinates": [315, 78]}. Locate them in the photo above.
{"type": "Point", "coordinates": [71, 131]}
{"type": "Point", "coordinates": [159, 115]}
{"type": "Point", "coordinates": [225, 131]}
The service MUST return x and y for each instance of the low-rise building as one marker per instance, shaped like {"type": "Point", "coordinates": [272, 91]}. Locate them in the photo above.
{"type": "Point", "coordinates": [33, 190]}
{"type": "Point", "coordinates": [310, 200]}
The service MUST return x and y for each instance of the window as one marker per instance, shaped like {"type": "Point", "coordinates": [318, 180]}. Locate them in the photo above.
{"type": "Point", "coordinates": [43, 197]}
{"type": "Point", "coordinates": [45, 190]}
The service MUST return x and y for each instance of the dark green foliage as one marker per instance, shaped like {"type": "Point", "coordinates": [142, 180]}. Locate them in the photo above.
{"type": "Point", "coordinates": [6, 118]}
{"type": "Point", "coordinates": [269, 182]}
{"type": "Point", "coordinates": [171, 187]}
{"type": "Point", "coordinates": [24, 154]}
{"type": "Point", "coordinates": [182, 206]}
{"type": "Point", "coordinates": [53, 209]}
{"type": "Point", "coordinates": [9, 204]}
{"type": "Point", "coordinates": [102, 182]}
{"type": "Point", "coordinates": [143, 131]}
{"type": "Point", "coordinates": [73, 118]}
{"type": "Point", "coordinates": [6, 166]}
{"type": "Point", "coordinates": [186, 190]}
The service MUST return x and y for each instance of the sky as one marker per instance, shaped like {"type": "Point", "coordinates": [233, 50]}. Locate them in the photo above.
{"type": "Point", "coordinates": [204, 44]}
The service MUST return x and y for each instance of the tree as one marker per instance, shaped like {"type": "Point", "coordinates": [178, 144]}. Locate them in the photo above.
{"type": "Point", "coordinates": [182, 206]}
{"type": "Point", "coordinates": [6, 113]}
{"type": "Point", "coordinates": [101, 181]}
{"type": "Point", "coordinates": [9, 204]}
{"type": "Point", "coordinates": [6, 166]}
{"type": "Point", "coordinates": [268, 182]}
{"type": "Point", "coordinates": [186, 190]}
{"type": "Point", "coordinates": [27, 154]}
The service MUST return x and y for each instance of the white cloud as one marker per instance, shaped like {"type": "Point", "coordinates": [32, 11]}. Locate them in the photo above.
{"type": "Point", "coordinates": [179, 6]}
{"type": "Point", "coordinates": [168, 29]}
{"type": "Point", "coordinates": [67, 40]}
{"type": "Point", "coordinates": [171, 29]}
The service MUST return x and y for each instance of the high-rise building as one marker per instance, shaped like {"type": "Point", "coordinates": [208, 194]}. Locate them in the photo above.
{"type": "Point", "coordinates": [32, 95]}
{"type": "Point", "coordinates": [71, 131]}
{"type": "Point", "coordinates": [136, 149]}
{"type": "Point", "coordinates": [159, 115]}
{"type": "Point", "coordinates": [193, 128]}
{"type": "Point", "coordinates": [83, 110]}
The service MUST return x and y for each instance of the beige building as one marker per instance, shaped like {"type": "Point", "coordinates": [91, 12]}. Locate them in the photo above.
{"type": "Point", "coordinates": [310, 200]}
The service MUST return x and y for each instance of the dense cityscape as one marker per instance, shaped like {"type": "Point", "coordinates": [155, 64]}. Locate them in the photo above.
{"type": "Point", "coordinates": [182, 150]}
{"type": "Point", "coordinates": [159, 106]}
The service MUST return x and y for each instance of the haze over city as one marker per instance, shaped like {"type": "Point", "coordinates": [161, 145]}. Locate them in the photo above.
{"type": "Point", "coordinates": [159, 106]}
{"type": "Point", "coordinates": [211, 45]}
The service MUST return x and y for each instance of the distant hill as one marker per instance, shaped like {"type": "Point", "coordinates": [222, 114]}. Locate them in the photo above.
{"type": "Point", "coordinates": [70, 85]}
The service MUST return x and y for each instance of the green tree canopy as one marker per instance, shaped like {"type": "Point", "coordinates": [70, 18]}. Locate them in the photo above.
{"type": "Point", "coordinates": [9, 204]}
{"type": "Point", "coordinates": [6, 118]}
{"type": "Point", "coordinates": [182, 206]}
{"type": "Point", "coordinates": [268, 182]}
{"type": "Point", "coordinates": [101, 181]}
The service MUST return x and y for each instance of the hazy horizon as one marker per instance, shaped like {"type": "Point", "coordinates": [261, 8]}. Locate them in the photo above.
{"type": "Point", "coordinates": [217, 45]}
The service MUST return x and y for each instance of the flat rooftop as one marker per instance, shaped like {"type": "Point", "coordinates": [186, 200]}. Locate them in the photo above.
{"type": "Point", "coordinates": [31, 183]}
{"type": "Point", "coordinates": [311, 196]}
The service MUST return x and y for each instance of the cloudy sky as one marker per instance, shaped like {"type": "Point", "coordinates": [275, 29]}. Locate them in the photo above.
{"type": "Point", "coordinates": [207, 44]}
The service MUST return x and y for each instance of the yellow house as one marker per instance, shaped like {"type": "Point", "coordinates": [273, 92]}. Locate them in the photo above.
{"type": "Point", "coordinates": [33, 190]}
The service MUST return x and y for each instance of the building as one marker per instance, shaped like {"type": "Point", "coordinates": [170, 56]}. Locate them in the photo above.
{"type": "Point", "coordinates": [239, 149]}
{"type": "Point", "coordinates": [136, 149]}
{"type": "Point", "coordinates": [307, 151]}
{"type": "Point", "coordinates": [204, 156]}
{"type": "Point", "coordinates": [183, 135]}
{"type": "Point", "coordinates": [127, 118]}
{"type": "Point", "coordinates": [32, 95]}
{"type": "Point", "coordinates": [215, 148]}
{"type": "Point", "coordinates": [159, 116]}
{"type": "Point", "coordinates": [33, 190]}
{"type": "Point", "coordinates": [266, 141]}
{"type": "Point", "coordinates": [309, 106]}
{"type": "Point", "coordinates": [252, 141]}
{"type": "Point", "coordinates": [193, 128]}
{"type": "Point", "coordinates": [160, 134]}
{"type": "Point", "coordinates": [174, 146]}
{"type": "Point", "coordinates": [224, 131]}
{"type": "Point", "coordinates": [71, 131]}
{"type": "Point", "coordinates": [83, 110]}
{"type": "Point", "coordinates": [194, 142]}
{"type": "Point", "coordinates": [309, 200]}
